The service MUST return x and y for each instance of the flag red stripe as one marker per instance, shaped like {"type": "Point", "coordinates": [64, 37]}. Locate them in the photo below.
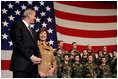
{"type": "Point", "coordinates": [83, 18]}
{"type": "Point", "coordinates": [86, 33]}
{"type": "Point", "coordinates": [5, 64]}
{"type": "Point", "coordinates": [88, 4]}
{"type": "Point", "coordinates": [110, 48]}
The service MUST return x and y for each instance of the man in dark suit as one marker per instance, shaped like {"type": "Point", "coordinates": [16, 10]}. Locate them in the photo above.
{"type": "Point", "coordinates": [26, 53]}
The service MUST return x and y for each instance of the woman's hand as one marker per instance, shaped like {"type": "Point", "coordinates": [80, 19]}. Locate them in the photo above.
{"type": "Point", "coordinates": [50, 72]}
{"type": "Point", "coordinates": [42, 75]}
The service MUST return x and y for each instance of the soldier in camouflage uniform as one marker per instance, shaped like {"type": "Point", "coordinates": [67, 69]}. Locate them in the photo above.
{"type": "Point", "coordinates": [89, 47]}
{"type": "Point", "coordinates": [60, 45]}
{"type": "Point", "coordinates": [104, 69]}
{"type": "Point", "coordinates": [83, 59]}
{"type": "Point", "coordinates": [74, 46]}
{"type": "Point", "coordinates": [77, 68]}
{"type": "Point", "coordinates": [72, 54]}
{"type": "Point", "coordinates": [100, 55]}
{"type": "Point", "coordinates": [113, 64]}
{"type": "Point", "coordinates": [59, 59]}
{"type": "Point", "coordinates": [106, 55]}
{"type": "Point", "coordinates": [64, 70]}
{"type": "Point", "coordinates": [90, 68]}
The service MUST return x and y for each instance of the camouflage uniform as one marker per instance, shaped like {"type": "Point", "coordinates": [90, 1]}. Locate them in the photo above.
{"type": "Point", "coordinates": [93, 55]}
{"type": "Point", "coordinates": [83, 60]}
{"type": "Point", "coordinates": [113, 65]}
{"type": "Point", "coordinates": [59, 59]}
{"type": "Point", "coordinates": [108, 58]}
{"type": "Point", "coordinates": [98, 61]}
{"type": "Point", "coordinates": [71, 59]}
{"type": "Point", "coordinates": [76, 52]}
{"type": "Point", "coordinates": [63, 52]}
{"type": "Point", "coordinates": [90, 70]}
{"type": "Point", "coordinates": [64, 70]}
{"type": "Point", "coordinates": [77, 70]}
{"type": "Point", "coordinates": [104, 71]}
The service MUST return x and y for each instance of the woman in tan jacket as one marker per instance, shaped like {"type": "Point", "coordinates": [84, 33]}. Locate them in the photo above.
{"type": "Point", "coordinates": [48, 62]}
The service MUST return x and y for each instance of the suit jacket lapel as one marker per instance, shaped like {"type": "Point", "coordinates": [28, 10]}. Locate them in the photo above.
{"type": "Point", "coordinates": [24, 26]}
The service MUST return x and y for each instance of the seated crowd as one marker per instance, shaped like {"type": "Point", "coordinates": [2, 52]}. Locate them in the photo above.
{"type": "Point", "coordinates": [73, 64]}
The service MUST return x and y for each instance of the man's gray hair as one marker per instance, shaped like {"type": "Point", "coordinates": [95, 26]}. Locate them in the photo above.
{"type": "Point", "coordinates": [27, 11]}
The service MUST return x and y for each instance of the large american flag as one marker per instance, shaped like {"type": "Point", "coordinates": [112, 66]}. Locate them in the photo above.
{"type": "Point", "coordinates": [84, 22]}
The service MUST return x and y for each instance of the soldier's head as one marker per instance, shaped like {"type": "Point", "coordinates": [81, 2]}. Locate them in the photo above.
{"type": "Point", "coordinates": [90, 58]}
{"type": "Point", "coordinates": [76, 57]}
{"type": "Point", "coordinates": [104, 48]}
{"type": "Point", "coordinates": [42, 34]}
{"type": "Point", "coordinates": [59, 51]}
{"type": "Point", "coordinates": [72, 52]}
{"type": "Point", "coordinates": [103, 60]}
{"type": "Point", "coordinates": [60, 44]}
{"type": "Point", "coordinates": [29, 16]}
{"type": "Point", "coordinates": [84, 52]}
{"type": "Point", "coordinates": [74, 45]}
{"type": "Point", "coordinates": [99, 52]}
{"type": "Point", "coordinates": [89, 47]}
{"type": "Point", "coordinates": [114, 53]}
{"type": "Point", "coordinates": [66, 57]}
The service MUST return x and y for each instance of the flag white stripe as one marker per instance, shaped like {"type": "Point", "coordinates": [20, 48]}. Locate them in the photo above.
{"type": "Point", "coordinates": [85, 41]}
{"type": "Point", "coordinates": [6, 74]}
{"type": "Point", "coordinates": [6, 54]}
{"type": "Point", "coordinates": [86, 26]}
{"type": "Point", "coordinates": [84, 11]}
